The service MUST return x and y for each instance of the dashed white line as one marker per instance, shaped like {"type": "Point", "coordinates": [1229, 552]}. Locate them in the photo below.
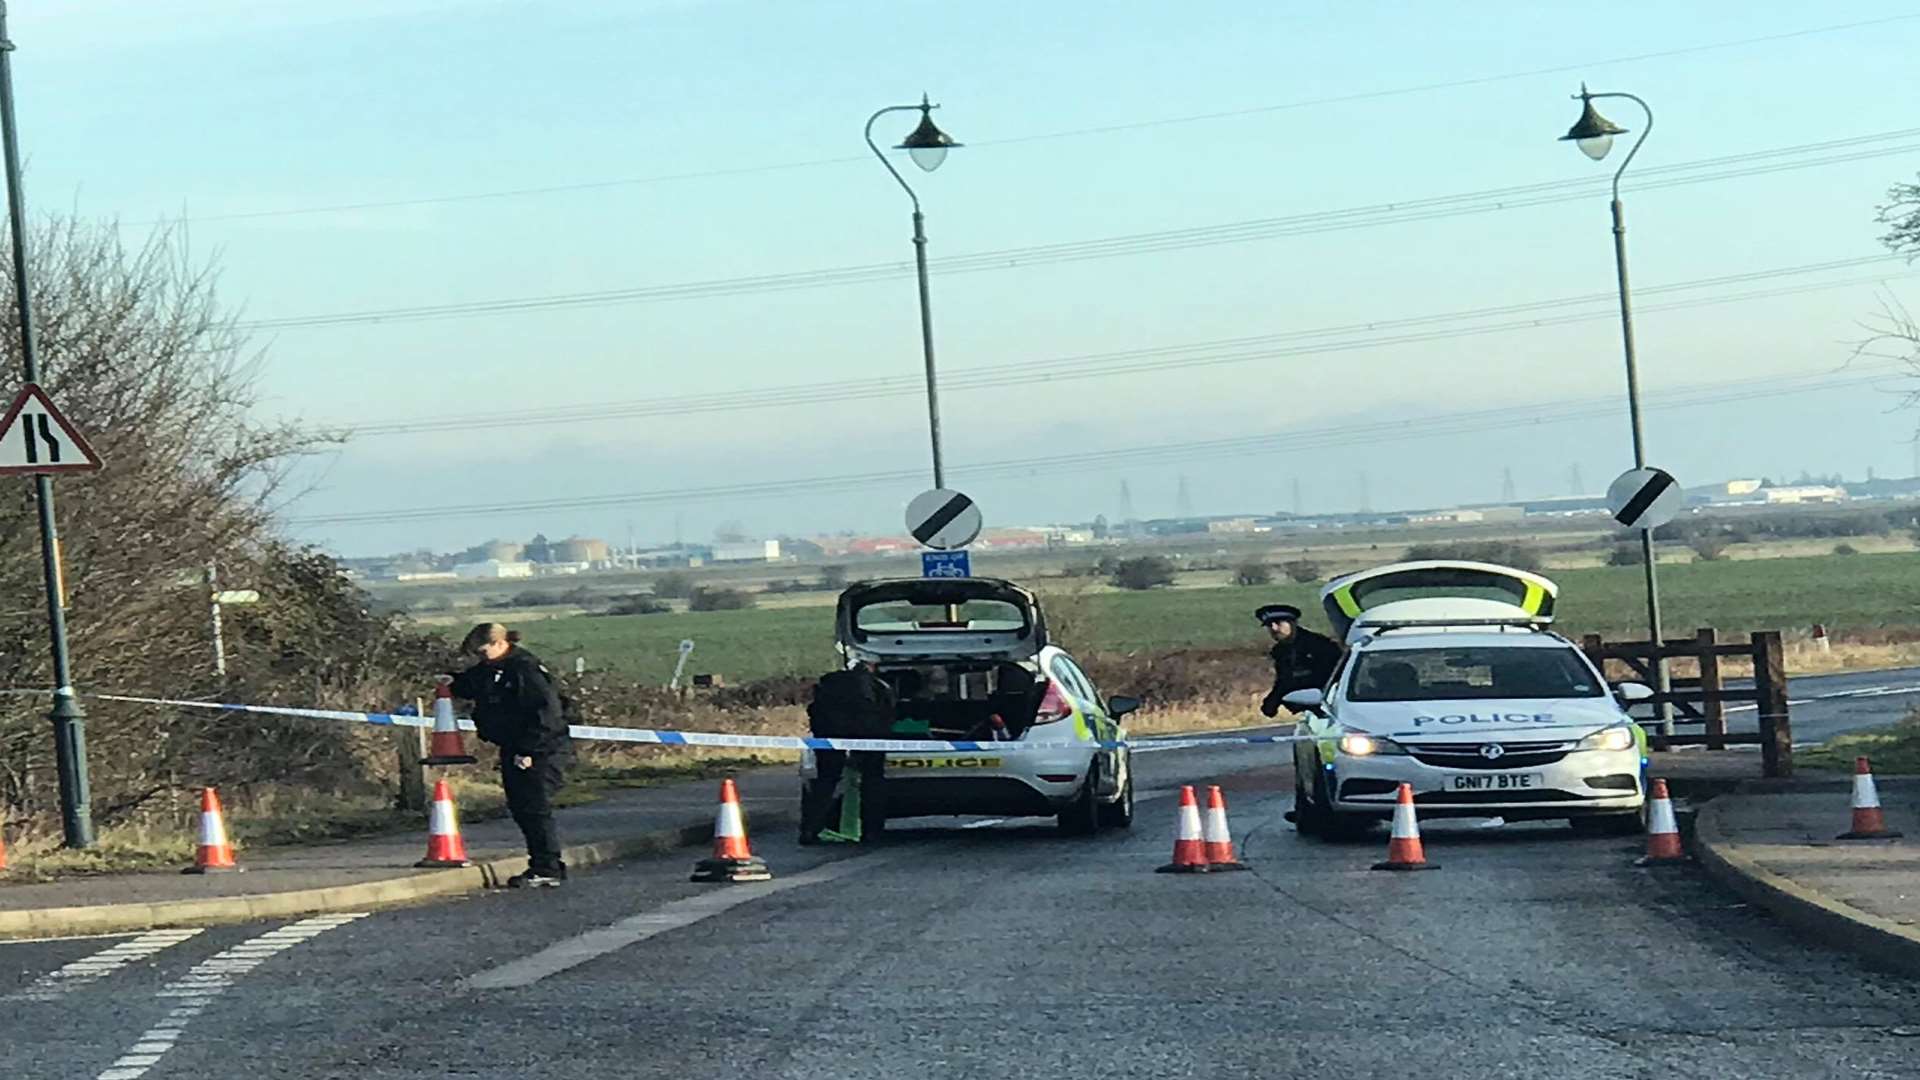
{"type": "Point", "coordinates": [593, 944]}
{"type": "Point", "coordinates": [193, 992]}
{"type": "Point", "coordinates": [99, 965]}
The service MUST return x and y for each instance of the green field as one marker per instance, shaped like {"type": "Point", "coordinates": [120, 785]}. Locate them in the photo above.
{"type": "Point", "coordinates": [1853, 595]}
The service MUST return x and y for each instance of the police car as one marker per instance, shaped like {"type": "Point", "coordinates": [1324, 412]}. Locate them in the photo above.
{"type": "Point", "coordinates": [969, 660]}
{"type": "Point", "coordinates": [1453, 683]}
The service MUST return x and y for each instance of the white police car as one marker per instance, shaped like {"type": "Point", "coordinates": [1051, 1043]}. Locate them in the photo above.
{"type": "Point", "coordinates": [970, 660]}
{"type": "Point", "coordinates": [1453, 684]}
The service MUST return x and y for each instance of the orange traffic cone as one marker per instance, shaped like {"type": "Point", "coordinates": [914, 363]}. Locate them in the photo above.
{"type": "Point", "coordinates": [1219, 841]}
{"type": "Point", "coordinates": [215, 854]}
{"type": "Point", "coordinates": [444, 844]}
{"type": "Point", "coordinates": [732, 860]}
{"type": "Point", "coordinates": [1868, 822]}
{"type": "Point", "coordinates": [446, 746]}
{"type": "Point", "coordinates": [1663, 833]}
{"type": "Point", "coordinates": [1189, 843]}
{"type": "Point", "coordinates": [1403, 850]}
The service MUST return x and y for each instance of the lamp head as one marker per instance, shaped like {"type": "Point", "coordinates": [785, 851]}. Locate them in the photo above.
{"type": "Point", "coordinates": [926, 144]}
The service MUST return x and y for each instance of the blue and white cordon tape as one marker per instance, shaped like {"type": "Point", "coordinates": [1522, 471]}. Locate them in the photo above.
{"type": "Point", "coordinates": [669, 737]}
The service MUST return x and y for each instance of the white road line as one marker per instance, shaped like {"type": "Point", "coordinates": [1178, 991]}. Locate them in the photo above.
{"type": "Point", "coordinates": [193, 992]}
{"type": "Point", "coordinates": [593, 944]}
{"type": "Point", "coordinates": [99, 965]}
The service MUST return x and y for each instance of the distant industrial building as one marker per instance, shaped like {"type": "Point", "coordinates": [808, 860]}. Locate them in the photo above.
{"type": "Point", "coordinates": [747, 551]}
{"type": "Point", "coordinates": [493, 568]}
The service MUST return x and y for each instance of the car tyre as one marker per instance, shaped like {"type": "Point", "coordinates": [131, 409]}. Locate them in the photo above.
{"type": "Point", "coordinates": [1118, 814]}
{"type": "Point", "coordinates": [1331, 825]}
{"type": "Point", "coordinates": [1082, 815]}
{"type": "Point", "coordinates": [1308, 817]}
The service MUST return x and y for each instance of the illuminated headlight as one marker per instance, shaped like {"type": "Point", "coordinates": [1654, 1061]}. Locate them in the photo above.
{"type": "Point", "coordinates": [1613, 738]}
{"type": "Point", "coordinates": [1368, 745]}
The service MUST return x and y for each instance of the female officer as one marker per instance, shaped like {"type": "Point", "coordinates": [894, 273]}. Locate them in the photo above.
{"type": "Point", "coordinates": [516, 706]}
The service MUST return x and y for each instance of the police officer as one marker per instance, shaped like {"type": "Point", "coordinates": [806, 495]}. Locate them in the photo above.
{"type": "Point", "coordinates": [1302, 659]}
{"type": "Point", "coordinates": [855, 703]}
{"type": "Point", "coordinates": [517, 707]}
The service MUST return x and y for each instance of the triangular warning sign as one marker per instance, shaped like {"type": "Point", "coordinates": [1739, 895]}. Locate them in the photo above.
{"type": "Point", "coordinates": [36, 438]}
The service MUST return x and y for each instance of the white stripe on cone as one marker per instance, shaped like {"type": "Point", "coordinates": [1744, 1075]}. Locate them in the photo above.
{"type": "Point", "coordinates": [1660, 818]}
{"type": "Point", "coordinates": [443, 710]}
{"type": "Point", "coordinates": [1865, 795]}
{"type": "Point", "coordinates": [1405, 827]}
{"type": "Point", "coordinates": [1187, 825]}
{"type": "Point", "coordinates": [727, 822]}
{"type": "Point", "coordinates": [1216, 832]}
{"type": "Point", "coordinates": [213, 831]}
{"type": "Point", "coordinates": [443, 822]}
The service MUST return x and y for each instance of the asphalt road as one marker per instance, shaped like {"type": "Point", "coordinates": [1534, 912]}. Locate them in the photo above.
{"type": "Point", "coordinates": [1000, 950]}
{"type": "Point", "coordinates": [1823, 706]}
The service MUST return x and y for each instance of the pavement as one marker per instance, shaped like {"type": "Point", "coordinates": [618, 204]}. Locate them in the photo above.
{"type": "Point", "coordinates": [379, 871]}
{"type": "Point", "coordinates": [986, 948]}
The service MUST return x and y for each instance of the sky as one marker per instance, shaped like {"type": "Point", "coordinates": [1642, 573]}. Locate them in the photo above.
{"type": "Point", "coordinates": [1282, 302]}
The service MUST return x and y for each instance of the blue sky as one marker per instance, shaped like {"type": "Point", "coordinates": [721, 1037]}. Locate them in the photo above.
{"type": "Point", "coordinates": [231, 113]}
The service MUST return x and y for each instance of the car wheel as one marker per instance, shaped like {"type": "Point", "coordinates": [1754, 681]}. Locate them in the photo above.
{"type": "Point", "coordinates": [1118, 814]}
{"type": "Point", "coordinates": [1330, 824]}
{"type": "Point", "coordinates": [1082, 815]}
{"type": "Point", "coordinates": [1308, 817]}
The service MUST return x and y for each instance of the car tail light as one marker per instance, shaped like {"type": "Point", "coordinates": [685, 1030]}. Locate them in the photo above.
{"type": "Point", "coordinates": [1055, 706]}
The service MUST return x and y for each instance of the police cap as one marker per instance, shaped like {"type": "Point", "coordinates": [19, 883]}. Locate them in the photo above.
{"type": "Point", "coordinates": [1273, 613]}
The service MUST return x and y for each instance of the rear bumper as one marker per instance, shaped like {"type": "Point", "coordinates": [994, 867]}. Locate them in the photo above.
{"type": "Point", "coordinates": [1581, 784]}
{"type": "Point", "coordinates": [1022, 783]}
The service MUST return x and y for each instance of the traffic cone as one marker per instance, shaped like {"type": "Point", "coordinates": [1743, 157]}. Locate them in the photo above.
{"type": "Point", "coordinates": [446, 746]}
{"type": "Point", "coordinates": [1663, 833]}
{"type": "Point", "coordinates": [215, 853]}
{"type": "Point", "coordinates": [1189, 843]}
{"type": "Point", "coordinates": [732, 860]}
{"type": "Point", "coordinates": [1403, 850]}
{"type": "Point", "coordinates": [1868, 822]}
{"type": "Point", "coordinates": [1220, 854]}
{"type": "Point", "coordinates": [444, 844]}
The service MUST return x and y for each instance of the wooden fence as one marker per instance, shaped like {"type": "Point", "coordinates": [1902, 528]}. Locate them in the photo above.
{"type": "Point", "coordinates": [1703, 699]}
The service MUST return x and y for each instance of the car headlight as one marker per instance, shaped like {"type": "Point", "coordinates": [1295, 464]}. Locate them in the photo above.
{"type": "Point", "coordinates": [1368, 745]}
{"type": "Point", "coordinates": [1613, 738]}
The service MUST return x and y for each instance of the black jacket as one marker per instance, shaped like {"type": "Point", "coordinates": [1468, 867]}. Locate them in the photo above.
{"type": "Point", "coordinates": [516, 705]}
{"type": "Point", "coordinates": [851, 704]}
{"type": "Point", "coordinates": [1303, 662]}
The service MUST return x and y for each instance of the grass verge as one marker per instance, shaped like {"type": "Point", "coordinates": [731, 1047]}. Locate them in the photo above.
{"type": "Point", "coordinates": [1893, 749]}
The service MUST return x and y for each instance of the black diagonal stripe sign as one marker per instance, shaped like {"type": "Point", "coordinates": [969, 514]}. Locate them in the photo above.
{"type": "Point", "coordinates": [1643, 499]}
{"type": "Point", "coordinates": [943, 517]}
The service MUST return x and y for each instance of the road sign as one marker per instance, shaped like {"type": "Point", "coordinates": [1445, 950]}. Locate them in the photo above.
{"type": "Point", "coordinates": [945, 564]}
{"type": "Point", "coordinates": [36, 438]}
{"type": "Point", "coordinates": [1645, 498]}
{"type": "Point", "coordinates": [943, 519]}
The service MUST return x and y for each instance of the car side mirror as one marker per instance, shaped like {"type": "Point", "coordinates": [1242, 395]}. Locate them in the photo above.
{"type": "Point", "coordinates": [1305, 700]}
{"type": "Point", "coordinates": [1121, 706]}
{"type": "Point", "coordinates": [1630, 693]}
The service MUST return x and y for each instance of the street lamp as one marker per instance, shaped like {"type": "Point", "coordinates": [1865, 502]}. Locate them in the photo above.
{"type": "Point", "coordinates": [1593, 134]}
{"type": "Point", "coordinates": [927, 145]}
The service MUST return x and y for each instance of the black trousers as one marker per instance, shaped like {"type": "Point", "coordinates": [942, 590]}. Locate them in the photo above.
{"type": "Point", "coordinates": [822, 811]}
{"type": "Point", "coordinates": [530, 795]}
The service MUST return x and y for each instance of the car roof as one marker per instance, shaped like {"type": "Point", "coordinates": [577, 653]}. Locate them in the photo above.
{"type": "Point", "coordinates": [1455, 639]}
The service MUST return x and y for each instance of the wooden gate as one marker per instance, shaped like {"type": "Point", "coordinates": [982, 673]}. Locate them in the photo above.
{"type": "Point", "coordinates": [1702, 699]}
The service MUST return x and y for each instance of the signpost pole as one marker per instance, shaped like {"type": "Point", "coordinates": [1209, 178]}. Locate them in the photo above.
{"type": "Point", "coordinates": [69, 720]}
{"type": "Point", "coordinates": [219, 639]}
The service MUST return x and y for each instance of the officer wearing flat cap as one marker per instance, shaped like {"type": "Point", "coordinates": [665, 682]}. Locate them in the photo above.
{"type": "Point", "coordinates": [1302, 659]}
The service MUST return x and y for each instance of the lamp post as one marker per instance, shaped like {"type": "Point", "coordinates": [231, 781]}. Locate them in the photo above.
{"type": "Point", "coordinates": [1593, 134]}
{"type": "Point", "coordinates": [927, 145]}
{"type": "Point", "coordinates": [69, 720]}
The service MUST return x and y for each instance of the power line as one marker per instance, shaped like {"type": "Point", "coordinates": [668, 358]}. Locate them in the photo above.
{"type": "Point", "coordinates": [1105, 129]}
{"type": "Point", "coordinates": [1457, 423]}
{"type": "Point", "coordinates": [1159, 358]}
{"type": "Point", "coordinates": [1494, 200]}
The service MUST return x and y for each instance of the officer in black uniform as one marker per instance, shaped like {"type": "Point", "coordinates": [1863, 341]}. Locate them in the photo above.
{"type": "Point", "coordinates": [517, 707]}
{"type": "Point", "coordinates": [1302, 659]}
{"type": "Point", "coordinates": [855, 703]}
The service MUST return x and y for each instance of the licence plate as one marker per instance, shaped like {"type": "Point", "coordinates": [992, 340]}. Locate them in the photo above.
{"type": "Point", "coordinates": [1527, 781]}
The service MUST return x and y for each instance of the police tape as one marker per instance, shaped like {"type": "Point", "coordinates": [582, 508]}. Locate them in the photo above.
{"type": "Point", "coordinates": [727, 740]}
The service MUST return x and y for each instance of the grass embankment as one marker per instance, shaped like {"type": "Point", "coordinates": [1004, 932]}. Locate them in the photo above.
{"type": "Point", "coordinates": [1893, 749]}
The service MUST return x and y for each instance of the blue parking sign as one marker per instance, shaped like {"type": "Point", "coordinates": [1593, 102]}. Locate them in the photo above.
{"type": "Point", "coordinates": [945, 564]}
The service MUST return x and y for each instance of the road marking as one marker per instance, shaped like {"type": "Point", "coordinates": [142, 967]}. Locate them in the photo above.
{"type": "Point", "coordinates": [207, 980]}
{"type": "Point", "coordinates": [99, 965]}
{"type": "Point", "coordinates": [593, 944]}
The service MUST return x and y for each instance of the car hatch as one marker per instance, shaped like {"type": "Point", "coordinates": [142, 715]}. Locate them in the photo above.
{"type": "Point", "coordinates": [1438, 591]}
{"type": "Point", "coordinates": [981, 618]}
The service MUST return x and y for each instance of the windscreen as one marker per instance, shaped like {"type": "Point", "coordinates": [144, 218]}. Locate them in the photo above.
{"type": "Point", "coordinates": [1471, 673]}
{"type": "Point", "coordinates": [893, 617]}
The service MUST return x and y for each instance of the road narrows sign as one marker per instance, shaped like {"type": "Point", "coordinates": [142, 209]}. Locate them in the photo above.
{"type": "Point", "coordinates": [1645, 498]}
{"type": "Point", "coordinates": [35, 437]}
{"type": "Point", "coordinates": [943, 519]}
